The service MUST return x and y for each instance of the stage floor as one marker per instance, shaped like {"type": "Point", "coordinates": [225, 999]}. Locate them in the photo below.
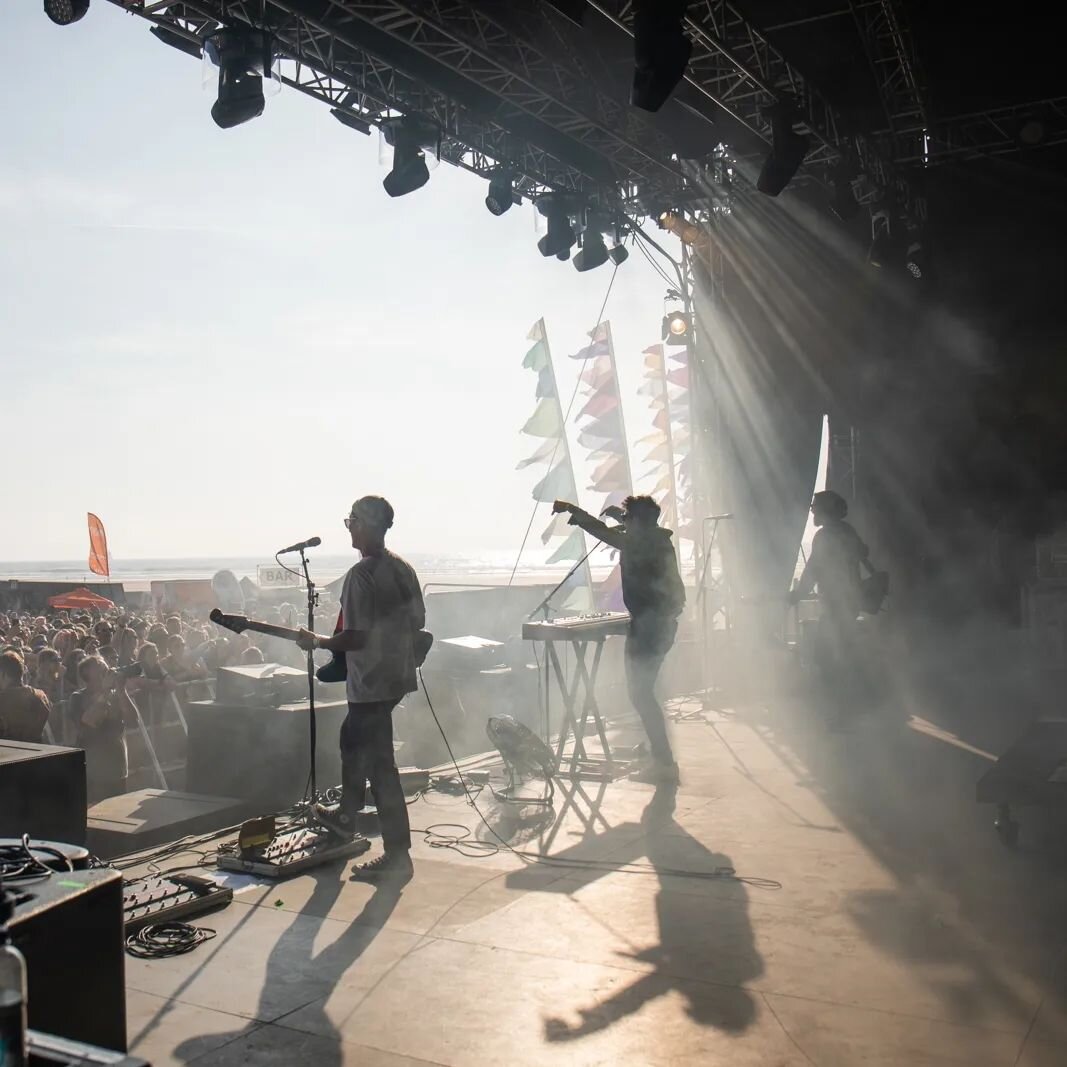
{"type": "Point", "coordinates": [902, 931]}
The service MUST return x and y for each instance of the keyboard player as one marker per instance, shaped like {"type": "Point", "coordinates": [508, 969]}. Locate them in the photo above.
{"type": "Point", "coordinates": [654, 596]}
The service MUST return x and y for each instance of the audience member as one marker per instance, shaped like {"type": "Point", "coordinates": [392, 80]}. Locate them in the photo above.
{"type": "Point", "coordinates": [23, 711]}
{"type": "Point", "coordinates": [101, 710]}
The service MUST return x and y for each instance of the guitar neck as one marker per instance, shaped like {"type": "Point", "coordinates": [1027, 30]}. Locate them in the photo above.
{"type": "Point", "coordinates": [284, 632]}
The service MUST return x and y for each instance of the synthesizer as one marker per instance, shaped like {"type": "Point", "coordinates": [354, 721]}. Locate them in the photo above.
{"type": "Point", "coordinates": [592, 627]}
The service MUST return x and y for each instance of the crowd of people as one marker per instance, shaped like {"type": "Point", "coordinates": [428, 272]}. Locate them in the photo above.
{"type": "Point", "coordinates": [82, 678]}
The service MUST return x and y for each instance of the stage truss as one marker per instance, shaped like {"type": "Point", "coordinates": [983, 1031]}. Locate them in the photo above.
{"type": "Point", "coordinates": [326, 50]}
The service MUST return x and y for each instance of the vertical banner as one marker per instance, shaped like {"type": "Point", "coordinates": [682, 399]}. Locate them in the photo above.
{"type": "Point", "coordinates": [98, 560]}
{"type": "Point", "coordinates": [558, 482]}
{"type": "Point", "coordinates": [603, 432]}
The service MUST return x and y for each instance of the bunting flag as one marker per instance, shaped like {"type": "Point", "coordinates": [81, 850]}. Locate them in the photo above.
{"type": "Point", "coordinates": [557, 483]}
{"type": "Point", "coordinates": [603, 431]}
{"type": "Point", "coordinates": [662, 442]}
{"type": "Point", "coordinates": [98, 560]}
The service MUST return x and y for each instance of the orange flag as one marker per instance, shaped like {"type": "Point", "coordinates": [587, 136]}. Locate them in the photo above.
{"type": "Point", "coordinates": [98, 563]}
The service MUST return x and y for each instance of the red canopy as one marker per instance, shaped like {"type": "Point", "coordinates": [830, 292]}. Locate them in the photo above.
{"type": "Point", "coordinates": [80, 600]}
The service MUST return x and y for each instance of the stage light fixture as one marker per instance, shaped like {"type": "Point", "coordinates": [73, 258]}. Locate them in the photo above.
{"type": "Point", "coordinates": [618, 254]}
{"type": "Point", "coordinates": [64, 12]}
{"type": "Point", "coordinates": [677, 326]}
{"type": "Point", "coordinates": [501, 193]}
{"type": "Point", "coordinates": [593, 252]}
{"type": "Point", "coordinates": [560, 238]}
{"type": "Point", "coordinates": [410, 139]}
{"type": "Point", "coordinates": [661, 51]}
{"type": "Point", "coordinates": [688, 232]}
{"type": "Point", "coordinates": [243, 56]}
{"type": "Point", "coordinates": [351, 120]}
{"type": "Point", "coordinates": [184, 44]}
{"type": "Point", "coordinates": [788, 149]}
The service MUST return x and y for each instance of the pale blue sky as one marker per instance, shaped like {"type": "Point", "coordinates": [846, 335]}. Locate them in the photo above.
{"type": "Point", "coordinates": [216, 339]}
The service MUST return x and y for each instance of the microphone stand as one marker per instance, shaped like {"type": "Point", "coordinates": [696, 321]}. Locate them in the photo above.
{"type": "Point", "coordinates": [313, 599]}
{"type": "Point", "coordinates": [543, 606]}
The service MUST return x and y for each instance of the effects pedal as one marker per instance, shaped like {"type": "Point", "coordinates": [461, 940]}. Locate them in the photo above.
{"type": "Point", "coordinates": [168, 898]}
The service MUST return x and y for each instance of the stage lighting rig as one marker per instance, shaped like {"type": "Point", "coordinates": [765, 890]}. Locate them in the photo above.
{"type": "Point", "coordinates": [64, 12]}
{"type": "Point", "coordinates": [501, 193]}
{"type": "Point", "coordinates": [411, 138]}
{"type": "Point", "coordinates": [244, 57]}
{"type": "Point", "coordinates": [618, 254]}
{"type": "Point", "coordinates": [677, 327]}
{"type": "Point", "coordinates": [560, 238]}
{"type": "Point", "coordinates": [661, 51]}
{"type": "Point", "coordinates": [593, 252]}
{"type": "Point", "coordinates": [788, 148]}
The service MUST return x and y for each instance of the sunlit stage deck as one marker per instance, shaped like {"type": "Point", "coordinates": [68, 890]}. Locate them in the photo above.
{"type": "Point", "coordinates": [902, 931]}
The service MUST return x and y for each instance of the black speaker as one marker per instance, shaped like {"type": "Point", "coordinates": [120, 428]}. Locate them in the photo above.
{"type": "Point", "coordinates": [42, 792]}
{"type": "Point", "coordinates": [69, 928]}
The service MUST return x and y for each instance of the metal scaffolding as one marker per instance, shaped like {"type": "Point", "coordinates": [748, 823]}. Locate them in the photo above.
{"type": "Point", "coordinates": [621, 160]}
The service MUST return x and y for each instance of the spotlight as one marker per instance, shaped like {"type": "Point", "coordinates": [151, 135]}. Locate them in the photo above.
{"type": "Point", "coordinates": [618, 254]}
{"type": "Point", "coordinates": [408, 137]}
{"type": "Point", "coordinates": [661, 51]}
{"type": "Point", "coordinates": [243, 56]}
{"type": "Point", "coordinates": [501, 194]}
{"type": "Point", "coordinates": [689, 233]}
{"type": "Point", "coordinates": [917, 257]}
{"type": "Point", "coordinates": [676, 328]}
{"type": "Point", "coordinates": [788, 149]}
{"type": "Point", "coordinates": [594, 252]}
{"type": "Point", "coordinates": [560, 238]}
{"type": "Point", "coordinates": [64, 12]}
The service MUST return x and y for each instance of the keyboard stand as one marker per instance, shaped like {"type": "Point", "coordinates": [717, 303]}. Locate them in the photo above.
{"type": "Point", "coordinates": [582, 687]}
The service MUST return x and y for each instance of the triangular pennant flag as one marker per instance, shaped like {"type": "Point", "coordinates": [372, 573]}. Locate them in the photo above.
{"type": "Point", "coordinates": [680, 355]}
{"type": "Point", "coordinates": [537, 331]}
{"type": "Point", "coordinates": [558, 484]}
{"type": "Point", "coordinates": [546, 421]}
{"type": "Point", "coordinates": [662, 420]}
{"type": "Point", "coordinates": [599, 404]}
{"type": "Point", "coordinates": [679, 376]}
{"type": "Point", "coordinates": [598, 373]}
{"type": "Point", "coordinates": [545, 453]}
{"type": "Point", "coordinates": [660, 454]}
{"type": "Point", "coordinates": [536, 358]}
{"type": "Point", "coordinates": [654, 388]}
{"type": "Point", "coordinates": [573, 549]}
{"type": "Point", "coordinates": [609, 475]}
{"type": "Point", "coordinates": [601, 343]}
{"type": "Point", "coordinates": [657, 437]}
{"type": "Point", "coordinates": [546, 383]}
{"type": "Point", "coordinates": [609, 592]}
{"type": "Point", "coordinates": [608, 427]}
{"type": "Point", "coordinates": [559, 527]}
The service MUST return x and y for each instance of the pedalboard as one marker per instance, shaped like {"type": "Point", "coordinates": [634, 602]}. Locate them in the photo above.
{"type": "Point", "coordinates": [292, 852]}
{"type": "Point", "coordinates": [169, 898]}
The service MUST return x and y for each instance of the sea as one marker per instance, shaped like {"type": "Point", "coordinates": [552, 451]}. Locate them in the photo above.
{"type": "Point", "coordinates": [488, 568]}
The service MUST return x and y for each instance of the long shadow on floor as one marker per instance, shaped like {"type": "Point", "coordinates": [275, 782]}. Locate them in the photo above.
{"type": "Point", "coordinates": [713, 986]}
{"type": "Point", "coordinates": [293, 961]}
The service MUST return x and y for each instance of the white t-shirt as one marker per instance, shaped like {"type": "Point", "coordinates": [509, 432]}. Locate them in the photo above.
{"type": "Point", "coordinates": [382, 598]}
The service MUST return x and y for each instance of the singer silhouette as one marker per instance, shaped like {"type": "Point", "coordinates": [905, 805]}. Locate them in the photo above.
{"type": "Point", "coordinates": [654, 596]}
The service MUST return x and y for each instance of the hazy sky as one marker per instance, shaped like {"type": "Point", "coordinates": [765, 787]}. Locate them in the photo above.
{"type": "Point", "coordinates": [216, 339]}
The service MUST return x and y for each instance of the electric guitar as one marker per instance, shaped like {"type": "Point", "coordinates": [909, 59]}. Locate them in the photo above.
{"type": "Point", "coordinates": [334, 671]}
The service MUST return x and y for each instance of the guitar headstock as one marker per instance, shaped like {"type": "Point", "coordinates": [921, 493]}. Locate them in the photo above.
{"type": "Point", "coordinates": [237, 623]}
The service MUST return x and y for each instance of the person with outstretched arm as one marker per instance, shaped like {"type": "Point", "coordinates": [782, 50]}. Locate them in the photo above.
{"type": "Point", "coordinates": [654, 596]}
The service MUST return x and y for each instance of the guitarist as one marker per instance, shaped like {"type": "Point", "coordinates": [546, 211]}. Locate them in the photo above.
{"type": "Point", "coordinates": [382, 611]}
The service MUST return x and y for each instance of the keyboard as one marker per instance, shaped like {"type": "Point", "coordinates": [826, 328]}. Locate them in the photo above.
{"type": "Point", "coordinates": [592, 627]}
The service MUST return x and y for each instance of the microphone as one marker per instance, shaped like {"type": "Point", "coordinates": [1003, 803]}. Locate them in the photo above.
{"type": "Point", "coordinates": [311, 542]}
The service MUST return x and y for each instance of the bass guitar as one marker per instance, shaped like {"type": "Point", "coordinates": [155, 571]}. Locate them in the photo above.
{"type": "Point", "coordinates": [334, 671]}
